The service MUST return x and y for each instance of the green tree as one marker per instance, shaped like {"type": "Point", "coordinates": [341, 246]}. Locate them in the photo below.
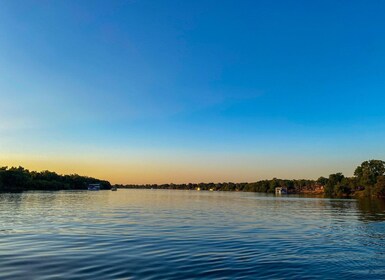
{"type": "Point", "coordinates": [322, 180]}
{"type": "Point", "coordinates": [368, 172]}
{"type": "Point", "coordinates": [333, 181]}
{"type": "Point", "coordinates": [343, 188]}
{"type": "Point", "coordinates": [379, 189]}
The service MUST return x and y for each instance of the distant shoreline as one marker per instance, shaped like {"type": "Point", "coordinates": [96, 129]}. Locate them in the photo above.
{"type": "Point", "coordinates": [368, 181]}
{"type": "Point", "coordinates": [310, 194]}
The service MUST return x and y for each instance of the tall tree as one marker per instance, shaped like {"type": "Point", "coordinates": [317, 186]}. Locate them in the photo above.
{"type": "Point", "coordinates": [333, 181]}
{"type": "Point", "coordinates": [368, 172]}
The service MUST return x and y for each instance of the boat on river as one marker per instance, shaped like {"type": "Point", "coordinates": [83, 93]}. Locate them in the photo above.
{"type": "Point", "coordinates": [93, 187]}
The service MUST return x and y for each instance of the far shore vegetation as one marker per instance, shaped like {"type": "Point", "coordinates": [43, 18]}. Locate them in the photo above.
{"type": "Point", "coordinates": [368, 181]}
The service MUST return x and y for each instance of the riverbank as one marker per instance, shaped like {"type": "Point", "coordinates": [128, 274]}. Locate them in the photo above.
{"type": "Point", "coordinates": [368, 181]}
{"type": "Point", "coordinates": [18, 179]}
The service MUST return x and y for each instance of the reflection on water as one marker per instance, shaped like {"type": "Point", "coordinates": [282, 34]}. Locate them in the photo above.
{"type": "Point", "coordinates": [372, 209]}
{"type": "Point", "coordinates": [155, 234]}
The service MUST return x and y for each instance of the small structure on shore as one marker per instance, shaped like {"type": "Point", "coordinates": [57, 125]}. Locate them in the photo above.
{"type": "Point", "coordinates": [281, 190]}
{"type": "Point", "coordinates": [94, 187]}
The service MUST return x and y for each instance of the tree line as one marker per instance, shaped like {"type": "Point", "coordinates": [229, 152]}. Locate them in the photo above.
{"type": "Point", "coordinates": [16, 179]}
{"type": "Point", "coordinates": [368, 180]}
{"type": "Point", "coordinates": [260, 186]}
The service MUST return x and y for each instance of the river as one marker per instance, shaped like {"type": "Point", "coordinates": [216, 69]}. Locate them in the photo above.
{"type": "Point", "coordinates": [171, 234]}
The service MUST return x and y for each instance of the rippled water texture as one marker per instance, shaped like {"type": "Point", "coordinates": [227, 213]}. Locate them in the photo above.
{"type": "Point", "coordinates": [157, 234]}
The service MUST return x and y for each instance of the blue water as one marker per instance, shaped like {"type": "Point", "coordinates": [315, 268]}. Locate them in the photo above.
{"type": "Point", "coordinates": [160, 234]}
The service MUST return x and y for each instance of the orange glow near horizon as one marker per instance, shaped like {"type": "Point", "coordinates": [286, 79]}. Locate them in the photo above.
{"type": "Point", "coordinates": [147, 171]}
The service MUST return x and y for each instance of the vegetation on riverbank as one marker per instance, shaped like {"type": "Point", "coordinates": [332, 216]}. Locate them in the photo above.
{"type": "Point", "coordinates": [16, 179]}
{"type": "Point", "coordinates": [368, 180]}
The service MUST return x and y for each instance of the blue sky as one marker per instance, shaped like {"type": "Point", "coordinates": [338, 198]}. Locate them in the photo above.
{"type": "Point", "coordinates": [179, 91]}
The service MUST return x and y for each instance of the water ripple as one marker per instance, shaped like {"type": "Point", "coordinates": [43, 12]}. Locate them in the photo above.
{"type": "Point", "coordinates": [143, 234]}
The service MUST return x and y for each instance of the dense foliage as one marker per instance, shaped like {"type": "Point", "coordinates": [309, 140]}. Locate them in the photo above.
{"type": "Point", "coordinates": [17, 179]}
{"type": "Point", "coordinates": [368, 180]}
{"type": "Point", "coordinates": [260, 186]}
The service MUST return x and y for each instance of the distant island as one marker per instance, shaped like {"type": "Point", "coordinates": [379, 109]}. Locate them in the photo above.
{"type": "Point", "coordinates": [17, 179]}
{"type": "Point", "coordinates": [368, 181]}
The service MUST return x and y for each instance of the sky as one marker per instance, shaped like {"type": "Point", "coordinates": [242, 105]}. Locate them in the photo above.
{"type": "Point", "coordinates": [192, 91]}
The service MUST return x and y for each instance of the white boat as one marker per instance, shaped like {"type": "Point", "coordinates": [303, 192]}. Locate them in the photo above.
{"type": "Point", "coordinates": [94, 187]}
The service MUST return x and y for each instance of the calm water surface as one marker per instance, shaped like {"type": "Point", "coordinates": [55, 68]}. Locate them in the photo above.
{"type": "Point", "coordinates": [157, 234]}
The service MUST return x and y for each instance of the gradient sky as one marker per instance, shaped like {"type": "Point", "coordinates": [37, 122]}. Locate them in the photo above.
{"type": "Point", "coordinates": [192, 91]}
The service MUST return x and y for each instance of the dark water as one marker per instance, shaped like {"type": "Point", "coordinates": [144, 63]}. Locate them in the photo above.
{"type": "Point", "coordinates": [154, 234]}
